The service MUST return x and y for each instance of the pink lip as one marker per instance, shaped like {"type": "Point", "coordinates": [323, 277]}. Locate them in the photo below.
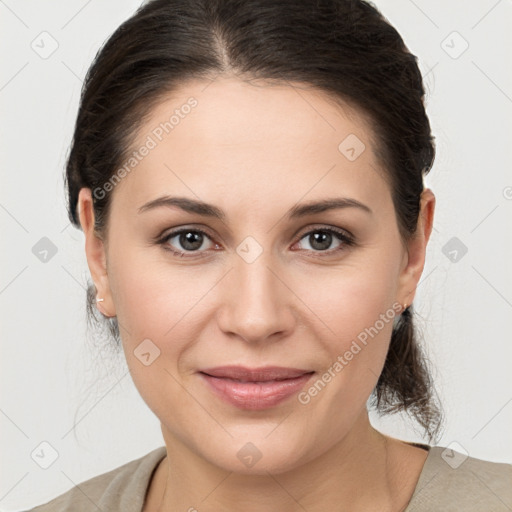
{"type": "Point", "coordinates": [255, 389]}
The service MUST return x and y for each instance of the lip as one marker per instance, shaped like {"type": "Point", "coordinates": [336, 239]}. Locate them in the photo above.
{"type": "Point", "coordinates": [255, 388]}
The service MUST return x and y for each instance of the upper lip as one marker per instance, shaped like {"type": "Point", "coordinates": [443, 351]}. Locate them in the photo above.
{"type": "Point", "coordinates": [261, 374]}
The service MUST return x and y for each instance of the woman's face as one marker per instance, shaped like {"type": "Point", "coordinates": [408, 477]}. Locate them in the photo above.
{"type": "Point", "coordinates": [263, 283]}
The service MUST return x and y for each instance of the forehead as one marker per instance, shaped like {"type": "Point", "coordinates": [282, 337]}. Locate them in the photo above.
{"type": "Point", "coordinates": [236, 141]}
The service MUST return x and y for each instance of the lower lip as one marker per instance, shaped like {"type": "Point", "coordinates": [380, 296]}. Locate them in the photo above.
{"type": "Point", "coordinates": [255, 396]}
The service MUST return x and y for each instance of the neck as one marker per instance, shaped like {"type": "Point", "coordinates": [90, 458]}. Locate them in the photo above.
{"type": "Point", "coordinates": [359, 473]}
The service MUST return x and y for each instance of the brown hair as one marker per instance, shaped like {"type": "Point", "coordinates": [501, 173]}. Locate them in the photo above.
{"type": "Point", "coordinates": [344, 48]}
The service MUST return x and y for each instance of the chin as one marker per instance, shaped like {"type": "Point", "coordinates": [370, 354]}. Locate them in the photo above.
{"type": "Point", "coordinates": [263, 462]}
{"type": "Point", "coordinates": [259, 454]}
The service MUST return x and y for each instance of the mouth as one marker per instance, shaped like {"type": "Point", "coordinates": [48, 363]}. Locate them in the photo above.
{"type": "Point", "coordinates": [255, 388]}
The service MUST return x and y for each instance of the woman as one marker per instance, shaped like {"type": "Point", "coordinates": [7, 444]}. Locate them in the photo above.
{"type": "Point", "coordinates": [249, 179]}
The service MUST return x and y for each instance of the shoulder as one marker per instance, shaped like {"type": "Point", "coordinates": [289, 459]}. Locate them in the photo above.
{"type": "Point", "coordinates": [123, 488]}
{"type": "Point", "coordinates": [452, 481]}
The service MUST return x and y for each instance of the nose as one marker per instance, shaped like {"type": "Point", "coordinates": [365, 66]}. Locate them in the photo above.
{"type": "Point", "coordinates": [257, 306]}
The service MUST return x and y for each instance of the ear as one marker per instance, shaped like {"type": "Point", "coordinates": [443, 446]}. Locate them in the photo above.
{"type": "Point", "coordinates": [95, 253]}
{"type": "Point", "coordinates": [414, 260]}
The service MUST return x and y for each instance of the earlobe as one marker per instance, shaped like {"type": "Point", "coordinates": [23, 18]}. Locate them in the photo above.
{"type": "Point", "coordinates": [95, 253]}
{"type": "Point", "coordinates": [99, 306]}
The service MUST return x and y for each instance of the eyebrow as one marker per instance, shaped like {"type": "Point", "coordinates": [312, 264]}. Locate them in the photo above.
{"type": "Point", "coordinates": [208, 210]}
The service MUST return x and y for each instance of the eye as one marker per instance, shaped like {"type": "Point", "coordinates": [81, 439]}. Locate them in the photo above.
{"type": "Point", "coordinates": [191, 240]}
{"type": "Point", "coordinates": [321, 239]}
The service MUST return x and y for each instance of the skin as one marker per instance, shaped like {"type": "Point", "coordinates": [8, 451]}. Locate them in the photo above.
{"type": "Point", "coordinates": [254, 152]}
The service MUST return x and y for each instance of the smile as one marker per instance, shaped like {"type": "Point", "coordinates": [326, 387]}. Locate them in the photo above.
{"type": "Point", "coordinates": [255, 389]}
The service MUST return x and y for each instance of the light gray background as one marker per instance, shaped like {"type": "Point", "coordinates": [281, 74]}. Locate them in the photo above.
{"type": "Point", "coordinates": [47, 364]}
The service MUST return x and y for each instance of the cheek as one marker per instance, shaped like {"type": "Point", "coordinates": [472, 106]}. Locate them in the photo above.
{"type": "Point", "coordinates": [354, 310]}
{"type": "Point", "coordinates": [351, 298]}
{"type": "Point", "coordinates": [162, 302]}
{"type": "Point", "coordinates": [150, 293]}
{"type": "Point", "coordinates": [362, 322]}
{"type": "Point", "coordinates": [155, 310]}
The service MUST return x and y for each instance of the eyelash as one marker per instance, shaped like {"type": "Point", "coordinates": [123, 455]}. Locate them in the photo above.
{"type": "Point", "coordinates": [348, 240]}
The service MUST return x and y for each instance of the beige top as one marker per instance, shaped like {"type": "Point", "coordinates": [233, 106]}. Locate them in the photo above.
{"type": "Point", "coordinates": [448, 482]}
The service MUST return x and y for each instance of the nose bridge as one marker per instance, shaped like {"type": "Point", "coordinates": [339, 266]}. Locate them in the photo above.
{"type": "Point", "coordinates": [256, 305]}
